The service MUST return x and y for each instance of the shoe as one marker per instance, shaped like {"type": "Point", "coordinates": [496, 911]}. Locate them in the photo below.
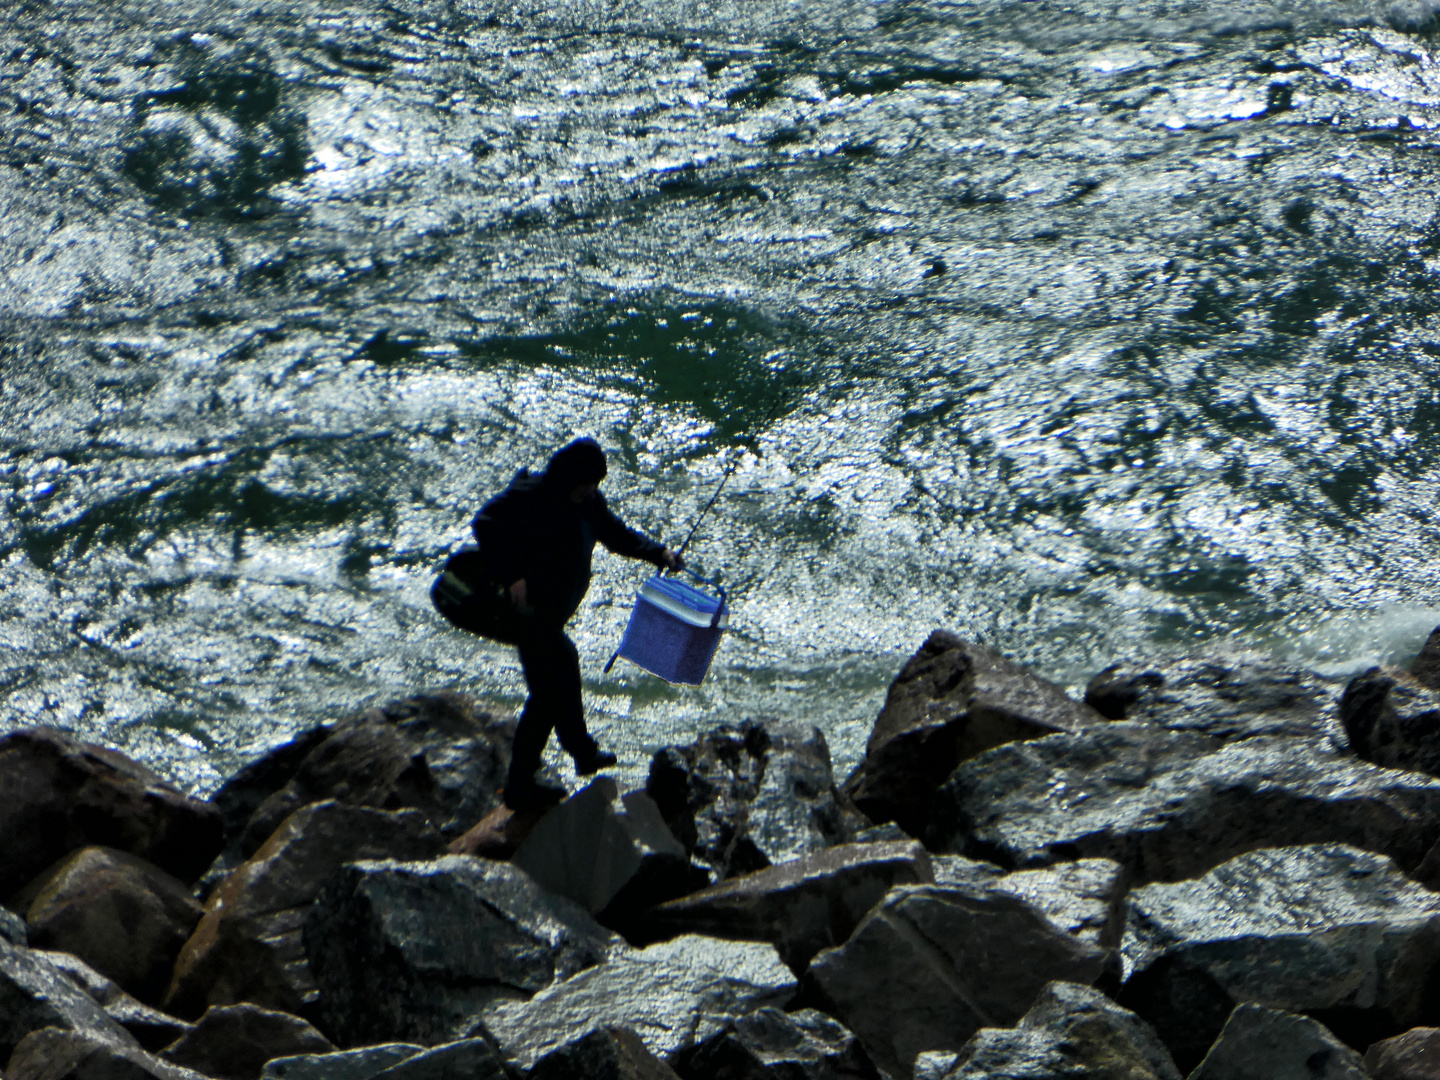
{"type": "Point", "coordinates": [601, 759]}
{"type": "Point", "coordinates": [533, 796]}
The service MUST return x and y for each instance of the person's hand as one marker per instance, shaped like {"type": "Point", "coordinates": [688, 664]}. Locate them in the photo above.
{"type": "Point", "coordinates": [517, 594]}
{"type": "Point", "coordinates": [672, 560]}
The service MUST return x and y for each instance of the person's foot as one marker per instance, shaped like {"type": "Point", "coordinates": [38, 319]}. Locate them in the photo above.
{"type": "Point", "coordinates": [600, 759]}
{"type": "Point", "coordinates": [533, 796]}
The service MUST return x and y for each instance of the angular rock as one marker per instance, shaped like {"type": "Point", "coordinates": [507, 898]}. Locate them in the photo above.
{"type": "Point", "coordinates": [233, 1042]}
{"type": "Point", "coordinates": [951, 701]}
{"type": "Point", "coordinates": [1169, 805]}
{"type": "Point", "coordinates": [468, 1059]}
{"type": "Point", "coordinates": [599, 848]}
{"type": "Point", "coordinates": [674, 996]}
{"type": "Point", "coordinates": [773, 1045]}
{"type": "Point", "coordinates": [1228, 697]}
{"type": "Point", "coordinates": [1328, 930]}
{"type": "Point", "coordinates": [800, 907]}
{"type": "Point", "coordinates": [56, 1054]}
{"type": "Point", "coordinates": [606, 1054]}
{"type": "Point", "coordinates": [62, 794]}
{"type": "Point", "coordinates": [1426, 667]}
{"type": "Point", "coordinates": [1071, 1031]}
{"type": "Point", "coordinates": [361, 1063]}
{"type": "Point", "coordinates": [122, 915]}
{"type": "Point", "coordinates": [929, 966]}
{"type": "Point", "coordinates": [152, 1028]}
{"type": "Point", "coordinates": [413, 951]}
{"type": "Point", "coordinates": [1414, 1055]}
{"type": "Point", "coordinates": [1084, 898]}
{"type": "Point", "coordinates": [35, 994]}
{"type": "Point", "coordinates": [498, 835]}
{"type": "Point", "coordinates": [935, 1064]}
{"type": "Point", "coordinates": [1393, 720]}
{"type": "Point", "coordinates": [12, 928]}
{"type": "Point", "coordinates": [743, 798]}
{"type": "Point", "coordinates": [1267, 1044]}
{"type": "Point", "coordinates": [247, 946]}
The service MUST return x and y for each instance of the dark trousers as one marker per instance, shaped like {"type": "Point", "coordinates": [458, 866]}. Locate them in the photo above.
{"type": "Point", "coordinates": [552, 675]}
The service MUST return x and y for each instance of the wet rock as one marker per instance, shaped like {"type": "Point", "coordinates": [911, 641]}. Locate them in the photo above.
{"type": "Point", "coordinates": [1426, 667]}
{"type": "Point", "coordinates": [1267, 1044]}
{"type": "Point", "coordinates": [62, 794]}
{"type": "Point", "coordinates": [607, 1054]}
{"type": "Point", "coordinates": [1169, 805]}
{"type": "Point", "coordinates": [802, 906]}
{"type": "Point", "coordinates": [1228, 697]}
{"type": "Point", "coordinates": [413, 951]}
{"type": "Point", "coordinates": [604, 850]}
{"type": "Point", "coordinates": [743, 798]}
{"type": "Point", "coordinates": [1071, 1031]}
{"type": "Point", "coordinates": [674, 996]}
{"type": "Point", "coordinates": [467, 1059]}
{"type": "Point", "coordinates": [1393, 720]}
{"type": "Point", "coordinates": [123, 916]}
{"type": "Point", "coordinates": [1414, 1055]}
{"type": "Point", "coordinates": [1328, 930]}
{"type": "Point", "coordinates": [12, 928]}
{"type": "Point", "coordinates": [34, 994]}
{"type": "Point", "coordinates": [57, 1054]}
{"type": "Point", "coordinates": [951, 701]}
{"type": "Point", "coordinates": [359, 1064]}
{"type": "Point", "coordinates": [152, 1028]}
{"type": "Point", "coordinates": [935, 1064]}
{"type": "Point", "coordinates": [930, 966]}
{"type": "Point", "coordinates": [233, 1042]}
{"type": "Point", "coordinates": [773, 1045]}
{"type": "Point", "coordinates": [1083, 898]}
{"type": "Point", "coordinates": [247, 946]}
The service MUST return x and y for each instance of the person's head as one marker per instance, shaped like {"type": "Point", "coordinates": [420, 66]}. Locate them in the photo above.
{"type": "Point", "coordinates": [577, 469]}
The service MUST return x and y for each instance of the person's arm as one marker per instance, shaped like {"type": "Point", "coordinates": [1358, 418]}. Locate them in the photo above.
{"type": "Point", "coordinates": [623, 540]}
{"type": "Point", "coordinates": [499, 530]}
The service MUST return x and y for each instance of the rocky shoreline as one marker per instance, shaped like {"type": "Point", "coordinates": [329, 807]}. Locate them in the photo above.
{"type": "Point", "coordinates": [1218, 868]}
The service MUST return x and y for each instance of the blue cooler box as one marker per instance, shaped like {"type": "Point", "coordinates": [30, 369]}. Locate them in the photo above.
{"type": "Point", "coordinates": [674, 630]}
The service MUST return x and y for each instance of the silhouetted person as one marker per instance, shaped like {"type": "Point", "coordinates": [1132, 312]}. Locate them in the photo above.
{"type": "Point", "coordinates": [524, 583]}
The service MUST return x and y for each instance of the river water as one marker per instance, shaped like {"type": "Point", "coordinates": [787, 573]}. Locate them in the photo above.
{"type": "Point", "coordinates": [1092, 331]}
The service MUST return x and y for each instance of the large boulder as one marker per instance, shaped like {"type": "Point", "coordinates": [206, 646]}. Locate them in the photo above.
{"type": "Point", "coordinates": [930, 966]}
{"type": "Point", "coordinates": [1258, 1043]}
{"type": "Point", "coordinates": [605, 850]}
{"type": "Point", "coordinates": [247, 945]}
{"type": "Point", "coordinates": [1169, 805]}
{"type": "Point", "coordinates": [1426, 666]}
{"type": "Point", "coordinates": [743, 798]}
{"type": "Point", "coordinates": [414, 951]}
{"type": "Point", "coordinates": [674, 995]}
{"type": "Point", "coordinates": [1084, 898]}
{"type": "Point", "coordinates": [1328, 930]}
{"type": "Point", "coordinates": [122, 915]}
{"type": "Point", "coordinates": [604, 1054]}
{"type": "Point", "coordinates": [466, 1059]}
{"type": "Point", "coordinates": [233, 1042]}
{"type": "Point", "coordinates": [1071, 1031]}
{"type": "Point", "coordinates": [62, 794]}
{"type": "Point", "coordinates": [773, 1045]}
{"type": "Point", "coordinates": [362, 1063]}
{"type": "Point", "coordinates": [802, 906]}
{"type": "Point", "coordinates": [152, 1028]}
{"type": "Point", "coordinates": [1393, 720]}
{"type": "Point", "coordinates": [951, 701]}
{"type": "Point", "coordinates": [61, 1054]}
{"type": "Point", "coordinates": [1229, 697]}
{"type": "Point", "coordinates": [34, 994]}
{"type": "Point", "coordinates": [1413, 1055]}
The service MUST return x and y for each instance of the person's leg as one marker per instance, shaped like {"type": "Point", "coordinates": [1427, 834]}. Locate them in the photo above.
{"type": "Point", "coordinates": [552, 674]}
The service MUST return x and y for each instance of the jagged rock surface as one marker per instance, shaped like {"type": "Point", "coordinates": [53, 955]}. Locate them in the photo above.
{"type": "Point", "coordinates": [361, 1063]}
{"type": "Point", "coordinates": [744, 798]}
{"type": "Point", "coordinates": [1413, 1055]}
{"type": "Point", "coordinates": [62, 794]}
{"type": "Point", "coordinates": [55, 1054]}
{"type": "Point", "coordinates": [1325, 929]}
{"type": "Point", "coordinates": [233, 1042]}
{"type": "Point", "coordinates": [674, 996]}
{"type": "Point", "coordinates": [1268, 1044]}
{"type": "Point", "coordinates": [951, 701]}
{"type": "Point", "coordinates": [1426, 667]}
{"type": "Point", "coordinates": [1393, 720]}
{"type": "Point", "coordinates": [466, 1059]}
{"type": "Point", "coordinates": [930, 966]}
{"type": "Point", "coordinates": [1070, 1032]}
{"type": "Point", "coordinates": [152, 1028]}
{"type": "Point", "coordinates": [122, 915]}
{"type": "Point", "coordinates": [802, 906]}
{"type": "Point", "coordinates": [12, 928]}
{"type": "Point", "coordinates": [1170, 805]}
{"type": "Point", "coordinates": [607, 1054]}
{"type": "Point", "coordinates": [247, 946]}
{"type": "Point", "coordinates": [34, 994]}
{"type": "Point", "coordinates": [1083, 898]}
{"type": "Point", "coordinates": [413, 951]}
{"type": "Point", "coordinates": [773, 1045]}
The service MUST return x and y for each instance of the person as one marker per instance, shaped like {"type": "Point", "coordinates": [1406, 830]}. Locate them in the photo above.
{"type": "Point", "coordinates": [522, 584]}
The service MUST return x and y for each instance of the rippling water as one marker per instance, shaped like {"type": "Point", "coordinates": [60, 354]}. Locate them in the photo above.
{"type": "Point", "coordinates": [1094, 331]}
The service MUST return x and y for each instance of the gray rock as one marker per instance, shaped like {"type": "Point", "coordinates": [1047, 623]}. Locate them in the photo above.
{"type": "Point", "coordinates": [466, 1059]}
{"type": "Point", "coordinates": [1327, 929]}
{"type": "Point", "coordinates": [1228, 697]}
{"type": "Point", "coordinates": [934, 1064]}
{"type": "Point", "coordinates": [929, 966]}
{"type": "Point", "coordinates": [1393, 720]}
{"type": "Point", "coordinates": [1082, 898]}
{"type": "Point", "coordinates": [1071, 1031]}
{"type": "Point", "coordinates": [35, 994]}
{"type": "Point", "coordinates": [1258, 1043]}
{"type": "Point", "coordinates": [606, 1054]}
{"type": "Point", "coordinates": [152, 1028]}
{"type": "Point", "coordinates": [773, 1045]}
{"type": "Point", "coordinates": [1426, 667]}
{"type": "Point", "coordinates": [233, 1042]}
{"type": "Point", "coordinates": [951, 701]}
{"type": "Point", "coordinates": [12, 928]}
{"type": "Point", "coordinates": [358, 1064]}
{"type": "Point", "coordinates": [1169, 805]}
{"type": "Point", "coordinates": [56, 1054]}
{"type": "Point", "coordinates": [959, 872]}
{"type": "Point", "coordinates": [674, 995]}
{"type": "Point", "coordinates": [800, 907]}
{"type": "Point", "coordinates": [1413, 1055]}
{"type": "Point", "coordinates": [599, 847]}
{"type": "Point", "coordinates": [413, 951]}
